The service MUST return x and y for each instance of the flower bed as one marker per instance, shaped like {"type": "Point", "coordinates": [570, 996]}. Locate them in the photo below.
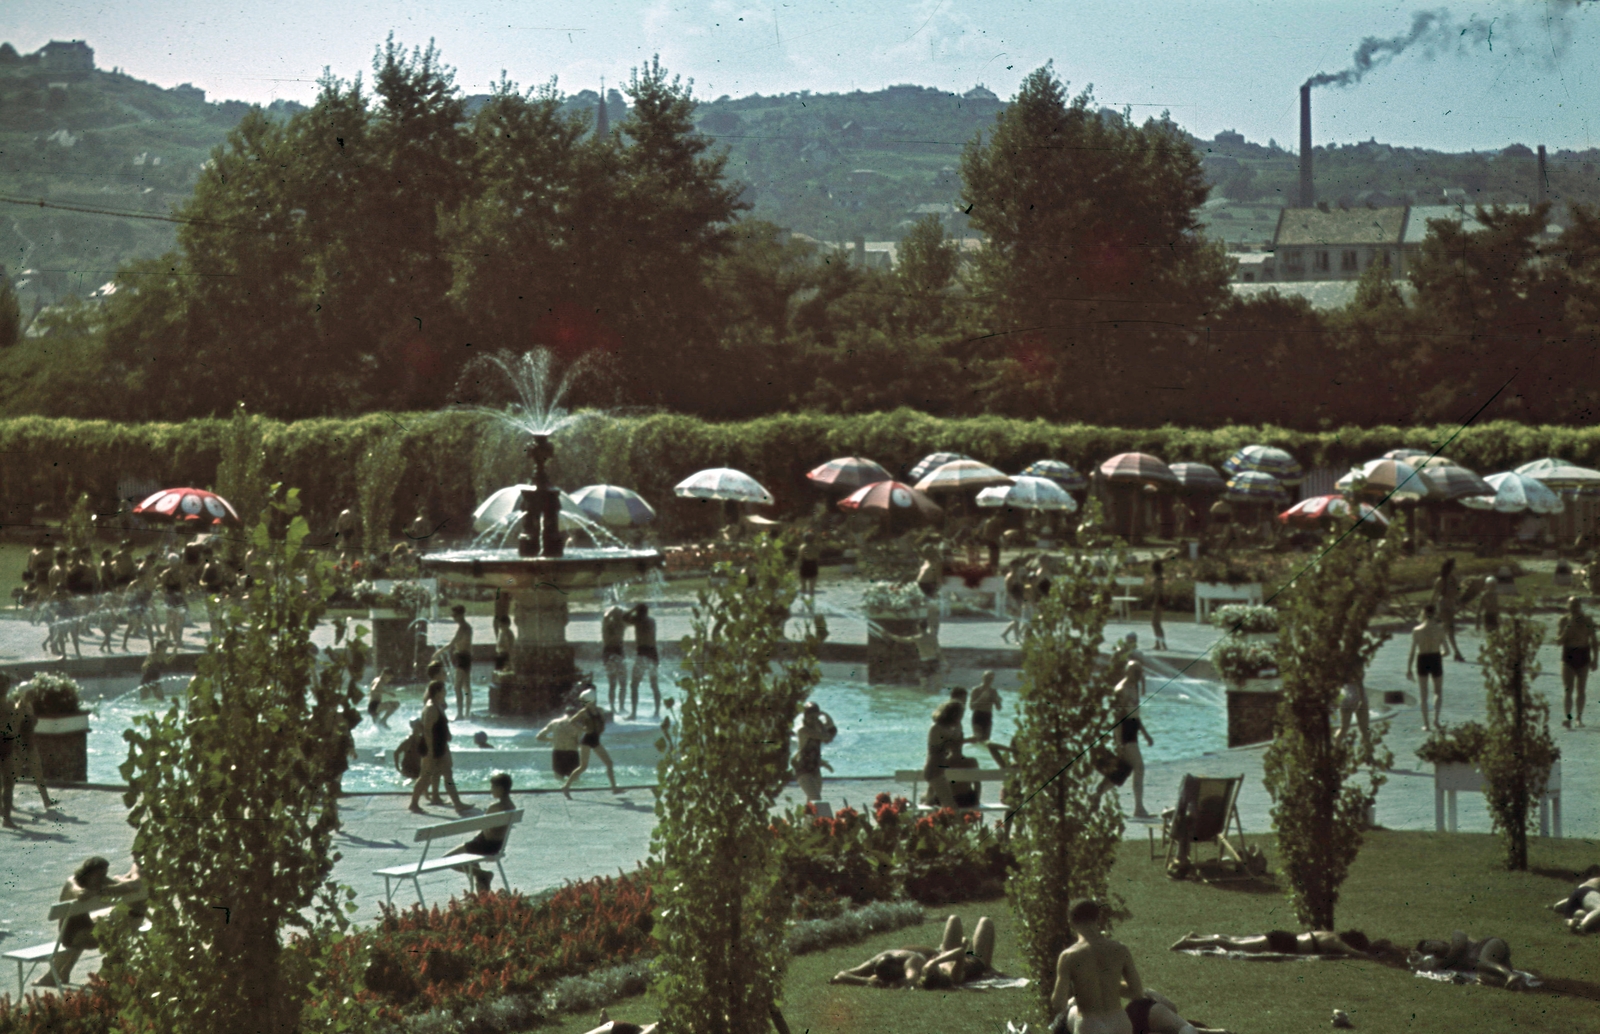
{"type": "Point", "coordinates": [1245, 618]}
{"type": "Point", "coordinates": [1237, 660]}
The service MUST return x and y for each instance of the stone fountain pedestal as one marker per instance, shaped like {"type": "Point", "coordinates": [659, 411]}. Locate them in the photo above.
{"type": "Point", "coordinates": [542, 665]}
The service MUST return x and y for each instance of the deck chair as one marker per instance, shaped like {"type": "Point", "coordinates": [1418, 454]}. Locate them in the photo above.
{"type": "Point", "coordinates": [1207, 806]}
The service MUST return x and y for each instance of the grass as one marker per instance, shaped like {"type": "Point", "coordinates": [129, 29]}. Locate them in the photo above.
{"type": "Point", "coordinates": [1404, 886]}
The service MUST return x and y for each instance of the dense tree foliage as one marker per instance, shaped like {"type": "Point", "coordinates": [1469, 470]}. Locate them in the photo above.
{"type": "Point", "coordinates": [1518, 750]}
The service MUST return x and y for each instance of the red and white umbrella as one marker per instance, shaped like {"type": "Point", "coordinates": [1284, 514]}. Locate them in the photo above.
{"type": "Point", "coordinates": [889, 497]}
{"type": "Point", "coordinates": [848, 473]}
{"type": "Point", "coordinates": [1138, 466]}
{"type": "Point", "coordinates": [1310, 512]}
{"type": "Point", "coordinates": [958, 475]}
{"type": "Point", "coordinates": [189, 504]}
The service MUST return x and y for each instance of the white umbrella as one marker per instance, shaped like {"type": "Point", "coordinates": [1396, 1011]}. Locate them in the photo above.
{"type": "Point", "coordinates": [613, 504]}
{"type": "Point", "coordinates": [1514, 493]}
{"type": "Point", "coordinates": [723, 483]}
{"type": "Point", "coordinates": [500, 505]}
{"type": "Point", "coordinates": [1029, 493]}
{"type": "Point", "coordinates": [1555, 473]}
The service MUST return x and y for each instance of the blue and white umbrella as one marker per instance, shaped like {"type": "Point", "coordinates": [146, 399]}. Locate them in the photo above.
{"type": "Point", "coordinates": [614, 505]}
{"type": "Point", "coordinates": [500, 506]}
{"type": "Point", "coordinates": [1254, 486]}
{"type": "Point", "coordinates": [1266, 459]}
{"type": "Point", "coordinates": [928, 463]}
{"type": "Point", "coordinates": [1514, 493]}
{"type": "Point", "coordinates": [1061, 473]}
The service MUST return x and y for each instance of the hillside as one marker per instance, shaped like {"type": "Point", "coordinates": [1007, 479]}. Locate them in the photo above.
{"type": "Point", "coordinates": [833, 166]}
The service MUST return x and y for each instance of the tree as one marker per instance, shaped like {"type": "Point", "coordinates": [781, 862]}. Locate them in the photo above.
{"type": "Point", "coordinates": [234, 801]}
{"type": "Point", "coordinates": [1518, 750]}
{"type": "Point", "coordinates": [1095, 271]}
{"type": "Point", "coordinates": [1065, 834]}
{"type": "Point", "coordinates": [723, 902]}
{"type": "Point", "coordinates": [926, 267]}
{"type": "Point", "coordinates": [1324, 640]}
{"type": "Point", "coordinates": [241, 469]}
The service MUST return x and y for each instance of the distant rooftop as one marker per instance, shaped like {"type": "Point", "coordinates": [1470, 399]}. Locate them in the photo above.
{"type": "Point", "coordinates": [1417, 226]}
{"type": "Point", "coordinates": [1313, 226]}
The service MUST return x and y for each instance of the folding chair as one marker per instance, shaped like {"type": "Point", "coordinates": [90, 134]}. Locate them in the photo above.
{"type": "Point", "coordinates": [1207, 806]}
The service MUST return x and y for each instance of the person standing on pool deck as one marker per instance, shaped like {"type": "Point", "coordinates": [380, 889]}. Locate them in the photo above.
{"type": "Point", "coordinates": [646, 658]}
{"type": "Point", "coordinates": [505, 640]}
{"type": "Point", "coordinates": [613, 627]}
{"type": "Point", "coordinates": [563, 734]}
{"type": "Point", "coordinates": [436, 761]}
{"type": "Point", "coordinates": [1575, 634]}
{"type": "Point", "coordinates": [1129, 692]}
{"type": "Point", "coordinates": [808, 556]}
{"type": "Point", "coordinates": [814, 728]}
{"type": "Point", "coordinates": [1428, 641]}
{"type": "Point", "coordinates": [1158, 586]}
{"type": "Point", "coordinates": [1446, 595]}
{"type": "Point", "coordinates": [1489, 609]}
{"type": "Point", "coordinates": [593, 723]}
{"type": "Point", "coordinates": [461, 658]}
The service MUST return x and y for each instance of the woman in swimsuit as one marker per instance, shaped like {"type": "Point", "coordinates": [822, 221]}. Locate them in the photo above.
{"type": "Point", "coordinates": [1583, 905]}
{"type": "Point", "coordinates": [1490, 957]}
{"type": "Point", "coordinates": [1575, 634]}
{"type": "Point", "coordinates": [944, 751]}
{"type": "Point", "coordinates": [1351, 943]}
{"type": "Point", "coordinates": [592, 721]}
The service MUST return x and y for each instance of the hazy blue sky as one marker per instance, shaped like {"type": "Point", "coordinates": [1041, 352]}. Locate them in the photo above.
{"type": "Point", "coordinates": [1493, 74]}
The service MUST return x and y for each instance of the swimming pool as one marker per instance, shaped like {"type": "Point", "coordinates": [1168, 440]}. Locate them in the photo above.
{"type": "Point", "coordinates": [881, 729]}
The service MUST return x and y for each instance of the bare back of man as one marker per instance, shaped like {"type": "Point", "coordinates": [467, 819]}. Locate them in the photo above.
{"type": "Point", "coordinates": [1096, 973]}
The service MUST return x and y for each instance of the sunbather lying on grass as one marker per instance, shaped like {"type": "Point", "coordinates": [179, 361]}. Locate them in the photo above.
{"type": "Point", "coordinates": [1490, 957]}
{"type": "Point", "coordinates": [1583, 905]}
{"type": "Point", "coordinates": [1352, 943]}
{"type": "Point", "coordinates": [953, 963]}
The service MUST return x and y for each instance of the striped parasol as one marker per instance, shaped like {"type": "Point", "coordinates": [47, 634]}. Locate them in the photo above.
{"type": "Point", "coordinates": [189, 504]}
{"type": "Point", "coordinates": [929, 462]}
{"type": "Point", "coordinates": [614, 505]}
{"type": "Point", "coordinates": [1253, 486]}
{"type": "Point", "coordinates": [1028, 493]}
{"type": "Point", "coordinates": [1266, 459]}
{"type": "Point", "coordinates": [848, 473]}
{"type": "Point", "coordinates": [1554, 473]}
{"type": "Point", "coordinates": [1452, 482]}
{"type": "Point", "coordinates": [1394, 478]}
{"type": "Point", "coordinates": [1061, 473]}
{"type": "Point", "coordinates": [1137, 466]}
{"type": "Point", "coordinates": [891, 497]}
{"type": "Point", "coordinates": [1198, 477]}
{"type": "Point", "coordinates": [1311, 511]}
{"type": "Point", "coordinates": [723, 483]}
{"type": "Point", "coordinates": [958, 475]}
{"type": "Point", "coordinates": [1413, 456]}
{"type": "Point", "coordinates": [1514, 493]}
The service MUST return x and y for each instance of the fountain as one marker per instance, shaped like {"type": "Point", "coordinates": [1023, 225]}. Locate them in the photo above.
{"type": "Point", "coordinates": [540, 573]}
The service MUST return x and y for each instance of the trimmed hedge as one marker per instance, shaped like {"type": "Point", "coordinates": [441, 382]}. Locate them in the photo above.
{"type": "Point", "coordinates": [451, 459]}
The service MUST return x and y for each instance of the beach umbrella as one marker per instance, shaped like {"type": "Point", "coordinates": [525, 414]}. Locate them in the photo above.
{"type": "Point", "coordinates": [189, 504]}
{"type": "Point", "coordinates": [1386, 477]}
{"type": "Point", "coordinates": [1514, 493]}
{"type": "Point", "coordinates": [614, 505]}
{"type": "Point", "coordinates": [723, 483]}
{"type": "Point", "coordinates": [1137, 466]}
{"type": "Point", "coordinates": [929, 462]}
{"type": "Point", "coordinates": [848, 473]}
{"type": "Point", "coordinates": [1412, 456]}
{"type": "Point", "coordinates": [958, 475]}
{"type": "Point", "coordinates": [1311, 511]}
{"type": "Point", "coordinates": [1198, 477]}
{"type": "Point", "coordinates": [1028, 493]}
{"type": "Point", "coordinates": [1554, 473]}
{"type": "Point", "coordinates": [1253, 486]}
{"type": "Point", "coordinates": [1061, 473]}
{"type": "Point", "coordinates": [1266, 459]}
{"type": "Point", "coordinates": [891, 497]}
{"type": "Point", "coordinates": [500, 505]}
{"type": "Point", "coordinates": [1452, 482]}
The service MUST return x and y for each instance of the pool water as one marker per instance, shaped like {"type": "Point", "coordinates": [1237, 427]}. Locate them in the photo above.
{"type": "Point", "coordinates": [881, 729]}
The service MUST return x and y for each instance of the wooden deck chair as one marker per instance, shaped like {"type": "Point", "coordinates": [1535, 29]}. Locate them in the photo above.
{"type": "Point", "coordinates": [1209, 804]}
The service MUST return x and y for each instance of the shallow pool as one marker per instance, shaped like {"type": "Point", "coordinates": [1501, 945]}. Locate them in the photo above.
{"type": "Point", "coordinates": [881, 729]}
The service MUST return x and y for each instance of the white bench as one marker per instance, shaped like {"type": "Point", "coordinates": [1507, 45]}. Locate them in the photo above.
{"type": "Point", "coordinates": [1208, 593]}
{"type": "Point", "coordinates": [957, 775]}
{"type": "Point", "coordinates": [1123, 604]}
{"type": "Point", "coordinates": [463, 862]}
{"type": "Point", "coordinates": [28, 959]}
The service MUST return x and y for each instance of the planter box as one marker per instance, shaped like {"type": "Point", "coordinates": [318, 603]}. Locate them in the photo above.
{"type": "Point", "coordinates": [1452, 777]}
{"type": "Point", "coordinates": [63, 744]}
{"type": "Point", "coordinates": [1207, 594]}
{"type": "Point", "coordinates": [889, 661]}
{"type": "Point", "coordinates": [1253, 711]}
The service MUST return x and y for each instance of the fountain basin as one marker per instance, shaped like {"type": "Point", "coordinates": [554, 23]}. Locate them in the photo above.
{"type": "Point", "coordinates": [575, 569]}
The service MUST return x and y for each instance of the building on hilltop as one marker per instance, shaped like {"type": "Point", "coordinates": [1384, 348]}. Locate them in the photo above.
{"type": "Point", "coordinates": [74, 57]}
{"type": "Point", "coordinates": [981, 93]}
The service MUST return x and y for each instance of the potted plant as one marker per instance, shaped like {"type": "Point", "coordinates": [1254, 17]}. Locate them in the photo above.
{"type": "Point", "coordinates": [61, 731]}
{"type": "Point", "coordinates": [1254, 623]}
{"type": "Point", "coordinates": [1240, 662]}
{"type": "Point", "coordinates": [1453, 752]}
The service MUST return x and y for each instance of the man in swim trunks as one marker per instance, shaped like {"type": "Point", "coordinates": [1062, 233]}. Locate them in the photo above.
{"type": "Point", "coordinates": [1575, 635]}
{"type": "Point", "coordinates": [613, 626]}
{"type": "Point", "coordinates": [461, 657]}
{"type": "Point", "coordinates": [983, 702]}
{"type": "Point", "coordinates": [505, 640]}
{"type": "Point", "coordinates": [1350, 943]}
{"type": "Point", "coordinates": [1092, 976]}
{"type": "Point", "coordinates": [646, 659]}
{"type": "Point", "coordinates": [592, 721]}
{"type": "Point", "coordinates": [1426, 660]}
{"type": "Point", "coordinates": [807, 557]}
{"type": "Point", "coordinates": [563, 734]}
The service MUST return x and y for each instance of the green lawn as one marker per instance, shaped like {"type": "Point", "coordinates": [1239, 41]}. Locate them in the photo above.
{"type": "Point", "coordinates": [1404, 886]}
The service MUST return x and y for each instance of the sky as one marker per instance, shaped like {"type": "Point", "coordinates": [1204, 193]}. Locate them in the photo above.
{"type": "Point", "coordinates": [1477, 76]}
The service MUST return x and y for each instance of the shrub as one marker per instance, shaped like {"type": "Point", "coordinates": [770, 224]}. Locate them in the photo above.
{"type": "Point", "coordinates": [903, 598]}
{"type": "Point", "coordinates": [1247, 618]}
{"type": "Point", "coordinates": [1237, 660]}
{"type": "Point", "coordinates": [55, 696]}
{"type": "Point", "coordinates": [1454, 745]}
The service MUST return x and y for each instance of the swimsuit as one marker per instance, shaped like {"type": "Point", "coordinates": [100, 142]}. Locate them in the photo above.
{"type": "Point", "coordinates": [564, 762]}
{"type": "Point", "coordinates": [1575, 657]}
{"type": "Point", "coordinates": [610, 650]}
{"type": "Point", "coordinates": [464, 660]}
{"type": "Point", "coordinates": [891, 969]}
{"type": "Point", "coordinates": [808, 759]}
{"type": "Point", "coordinates": [808, 569]}
{"type": "Point", "coordinates": [1430, 664]}
{"type": "Point", "coordinates": [1283, 942]}
{"type": "Point", "coordinates": [500, 660]}
{"type": "Point", "coordinates": [647, 652]}
{"type": "Point", "coordinates": [1491, 620]}
{"type": "Point", "coordinates": [1130, 730]}
{"type": "Point", "coordinates": [982, 724]}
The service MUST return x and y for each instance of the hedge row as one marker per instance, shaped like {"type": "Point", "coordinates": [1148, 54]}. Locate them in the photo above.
{"type": "Point", "coordinates": [451, 459]}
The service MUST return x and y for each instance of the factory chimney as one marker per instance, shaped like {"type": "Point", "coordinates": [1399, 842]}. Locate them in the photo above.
{"type": "Point", "coordinates": [1544, 186]}
{"type": "Point", "coordinates": [1308, 194]}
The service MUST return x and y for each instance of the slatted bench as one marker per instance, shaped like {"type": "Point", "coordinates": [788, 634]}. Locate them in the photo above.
{"type": "Point", "coordinates": [463, 862]}
{"type": "Point", "coordinates": [957, 775]}
{"type": "Point", "coordinates": [28, 959]}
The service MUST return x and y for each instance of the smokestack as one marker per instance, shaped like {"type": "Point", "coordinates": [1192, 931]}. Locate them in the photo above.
{"type": "Point", "coordinates": [1308, 193]}
{"type": "Point", "coordinates": [861, 251]}
{"type": "Point", "coordinates": [1544, 190]}
{"type": "Point", "coordinates": [602, 117]}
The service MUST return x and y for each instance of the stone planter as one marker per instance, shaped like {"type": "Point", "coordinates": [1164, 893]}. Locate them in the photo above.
{"type": "Point", "coordinates": [393, 645]}
{"type": "Point", "coordinates": [63, 743]}
{"type": "Point", "coordinates": [1253, 711]}
{"type": "Point", "coordinates": [887, 660]}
